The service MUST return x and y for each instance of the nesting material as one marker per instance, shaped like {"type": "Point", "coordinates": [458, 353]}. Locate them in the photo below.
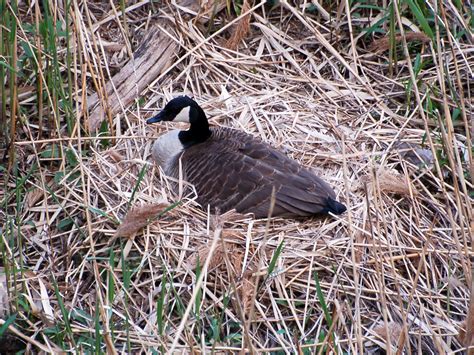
{"type": "Point", "coordinates": [241, 29]}
{"type": "Point", "coordinates": [383, 44]}
{"type": "Point", "coordinates": [139, 217]}
{"type": "Point", "coordinates": [284, 285]}
{"type": "Point", "coordinates": [390, 333]}
{"type": "Point", "coordinates": [389, 182]}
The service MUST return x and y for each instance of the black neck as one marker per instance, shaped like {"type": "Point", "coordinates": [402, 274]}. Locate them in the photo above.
{"type": "Point", "coordinates": [199, 130]}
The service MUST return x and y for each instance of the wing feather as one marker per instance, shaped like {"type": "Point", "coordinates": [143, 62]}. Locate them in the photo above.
{"type": "Point", "coordinates": [234, 170]}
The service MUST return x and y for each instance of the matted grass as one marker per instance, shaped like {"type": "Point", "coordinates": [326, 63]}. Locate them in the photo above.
{"type": "Point", "coordinates": [98, 253]}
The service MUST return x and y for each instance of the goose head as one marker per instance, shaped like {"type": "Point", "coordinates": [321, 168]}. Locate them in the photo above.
{"type": "Point", "coordinates": [185, 109]}
{"type": "Point", "coordinates": [172, 143]}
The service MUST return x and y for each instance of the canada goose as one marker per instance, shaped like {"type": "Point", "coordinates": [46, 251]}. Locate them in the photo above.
{"type": "Point", "coordinates": [233, 170]}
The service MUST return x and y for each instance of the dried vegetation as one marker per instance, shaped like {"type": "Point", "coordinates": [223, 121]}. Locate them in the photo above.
{"type": "Point", "coordinates": [99, 254]}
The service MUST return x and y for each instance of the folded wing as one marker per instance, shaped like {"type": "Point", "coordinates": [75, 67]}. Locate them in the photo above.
{"type": "Point", "coordinates": [240, 172]}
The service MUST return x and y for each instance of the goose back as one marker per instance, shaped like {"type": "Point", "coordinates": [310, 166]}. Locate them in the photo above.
{"type": "Point", "coordinates": [232, 169]}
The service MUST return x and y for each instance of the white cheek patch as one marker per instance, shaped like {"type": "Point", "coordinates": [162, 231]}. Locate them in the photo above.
{"type": "Point", "coordinates": [183, 115]}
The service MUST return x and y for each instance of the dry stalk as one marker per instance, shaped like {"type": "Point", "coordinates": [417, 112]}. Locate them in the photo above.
{"type": "Point", "coordinates": [395, 267]}
{"type": "Point", "coordinates": [241, 29]}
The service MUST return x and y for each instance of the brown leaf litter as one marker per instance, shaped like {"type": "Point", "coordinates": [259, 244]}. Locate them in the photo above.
{"type": "Point", "coordinates": [241, 29]}
{"type": "Point", "coordinates": [34, 195]}
{"type": "Point", "coordinates": [116, 156]}
{"type": "Point", "coordinates": [137, 218]}
{"type": "Point", "coordinates": [390, 182]}
{"type": "Point", "coordinates": [383, 44]}
{"type": "Point", "coordinates": [245, 281]}
{"type": "Point", "coordinates": [392, 331]}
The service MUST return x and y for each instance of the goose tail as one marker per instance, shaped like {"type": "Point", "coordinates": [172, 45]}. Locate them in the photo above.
{"type": "Point", "coordinates": [334, 207]}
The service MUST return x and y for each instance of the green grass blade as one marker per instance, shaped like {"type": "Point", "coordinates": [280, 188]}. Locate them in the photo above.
{"type": "Point", "coordinates": [197, 303]}
{"type": "Point", "coordinates": [160, 305]}
{"type": "Point", "coordinates": [276, 255]}
{"type": "Point", "coordinates": [420, 17]}
{"type": "Point", "coordinates": [141, 175]}
{"type": "Point", "coordinates": [10, 320]}
{"type": "Point", "coordinates": [64, 311]}
{"type": "Point", "coordinates": [322, 301]}
{"type": "Point", "coordinates": [98, 335]}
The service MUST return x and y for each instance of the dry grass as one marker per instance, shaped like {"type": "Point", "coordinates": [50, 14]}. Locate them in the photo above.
{"type": "Point", "coordinates": [392, 274]}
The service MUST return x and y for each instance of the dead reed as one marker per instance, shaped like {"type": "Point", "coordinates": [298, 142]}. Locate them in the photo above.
{"type": "Point", "coordinates": [99, 255]}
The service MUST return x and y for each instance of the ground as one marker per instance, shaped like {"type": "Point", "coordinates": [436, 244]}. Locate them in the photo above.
{"type": "Point", "coordinates": [99, 254]}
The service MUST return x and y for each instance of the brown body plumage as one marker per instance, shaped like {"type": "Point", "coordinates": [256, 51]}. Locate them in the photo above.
{"type": "Point", "coordinates": [233, 170]}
